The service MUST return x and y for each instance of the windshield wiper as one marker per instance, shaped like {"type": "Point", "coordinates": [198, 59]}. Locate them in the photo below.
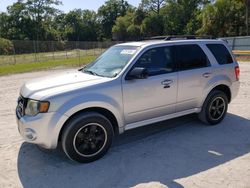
{"type": "Point", "coordinates": [91, 72]}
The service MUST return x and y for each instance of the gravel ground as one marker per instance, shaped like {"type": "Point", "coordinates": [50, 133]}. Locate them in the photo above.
{"type": "Point", "coordinates": [174, 154]}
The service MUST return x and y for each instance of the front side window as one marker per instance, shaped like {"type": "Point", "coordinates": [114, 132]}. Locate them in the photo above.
{"type": "Point", "coordinates": [220, 53]}
{"type": "Point", "coordinates": [157, 61]}
{"type": "Point", "coordinates": [112, 61]}
{"type": "Point", "coordinates": [190, 57]}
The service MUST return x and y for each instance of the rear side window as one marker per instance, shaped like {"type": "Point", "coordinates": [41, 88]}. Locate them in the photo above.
{"type": "Point", "coordinates": [191, 57]}
{"type": "Point", "coordinates": [220, 53]}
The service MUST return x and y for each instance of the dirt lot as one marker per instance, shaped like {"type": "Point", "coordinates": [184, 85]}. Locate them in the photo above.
{"type": "Point", "coordinates": [177, 153]}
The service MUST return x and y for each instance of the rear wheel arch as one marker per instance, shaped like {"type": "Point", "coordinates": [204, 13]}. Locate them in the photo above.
{"type": "Point", "coordinates": [214, 108]}
{"type": "Point", "coordinates": [225, 89]}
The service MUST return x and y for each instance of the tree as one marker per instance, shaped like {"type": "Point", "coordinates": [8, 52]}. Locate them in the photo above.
{"type": "Point", "coordinates": [108, 13]}
{"type": "Point", "coordinates": [172, 22]}
{"type": "Point", "coordinates": [152, 5]}
{"type": "Point", "coordinates": [4, 25]}
{"type": "Point", "coordinates": [30, 19]}
{"type": "Point", "coordinates": [247, 5]}
{"type": "Point", "coordinates": [152, 25]}
{"type": "Point", "coordinates": [18, 25]}
{"type": "Point", "coordinates": [125, 28]}
{"type": "Point", "coordinates": [6, 47]}
{"type": "Point", "coordinates": [81, 25]}
{"type": "Point", "coordinates": [223, 18]}
{"type": "Point", "coordinates": [42, 11]}
{"type": "Point", "coordinates": [134, 32]}
{"type": "Point", "coordinates": [182, 16]}
{"type": "Point", "coordinates": [58, 27]}
{"type": "Point", "coordinates": [40, 20]}
{"type": "Point", "coordinates": [92, 26]}
{"type": "Point", "coordinates": [139, 16]}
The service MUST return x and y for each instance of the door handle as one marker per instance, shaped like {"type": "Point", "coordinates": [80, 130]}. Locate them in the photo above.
{"type": "Point", "coordinates": [166, 83]}
{"type": "Point", "coordinates": [207, 75]}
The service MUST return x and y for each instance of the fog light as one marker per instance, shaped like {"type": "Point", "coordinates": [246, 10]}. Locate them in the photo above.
{"type": "Point", "coordinates": [30, 134]}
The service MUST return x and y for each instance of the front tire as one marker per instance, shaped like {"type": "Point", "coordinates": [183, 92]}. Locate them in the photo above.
{"type": "Point", "coordinates": [87, 137]}
{"type": "Point", "coordinates": [214, 108]}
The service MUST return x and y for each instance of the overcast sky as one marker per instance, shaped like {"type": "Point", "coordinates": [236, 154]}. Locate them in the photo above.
{"type": "Point", "coordinates": [70, 4]}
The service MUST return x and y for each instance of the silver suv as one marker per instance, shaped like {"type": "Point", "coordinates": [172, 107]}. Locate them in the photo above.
{"type": "Point", "coordinates": [128, 86]}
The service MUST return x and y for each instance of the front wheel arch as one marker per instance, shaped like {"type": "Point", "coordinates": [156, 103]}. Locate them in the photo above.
{"type": "Point", "coordinates": [81, 121]}
{"type": "Point", "coordinates": [106, 113]}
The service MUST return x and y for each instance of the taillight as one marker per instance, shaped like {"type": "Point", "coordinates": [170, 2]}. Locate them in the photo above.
{"type": "Point", "coordinates": [237, 72]}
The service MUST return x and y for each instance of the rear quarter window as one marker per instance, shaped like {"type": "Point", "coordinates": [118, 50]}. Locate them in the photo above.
{"type": "Point", "coordinates": [220, 53]}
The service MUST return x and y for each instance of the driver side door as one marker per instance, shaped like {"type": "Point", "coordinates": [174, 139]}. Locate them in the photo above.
{"type": "Point", "coordinates": [155, 96]}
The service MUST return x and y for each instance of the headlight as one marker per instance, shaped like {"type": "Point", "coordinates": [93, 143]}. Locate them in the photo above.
{"type": "Point", "coordinates": [34, 107]}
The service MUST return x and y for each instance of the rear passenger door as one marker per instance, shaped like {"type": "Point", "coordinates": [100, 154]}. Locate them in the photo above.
{"type": "Point", "coordinates": [194, 72]}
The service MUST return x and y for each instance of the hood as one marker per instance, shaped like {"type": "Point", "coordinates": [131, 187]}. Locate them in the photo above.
{"type": "Point", "coordinates": [41, 87]}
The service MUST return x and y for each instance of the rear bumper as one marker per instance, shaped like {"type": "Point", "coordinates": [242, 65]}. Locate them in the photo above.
{"type": "Point", "coordinates": [235, 87]}
{"type": "Point", "coordinates": [42, 129]}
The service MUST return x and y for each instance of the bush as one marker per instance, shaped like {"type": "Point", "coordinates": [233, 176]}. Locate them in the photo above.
{"type": "Point", "coordinates": [6, 47]}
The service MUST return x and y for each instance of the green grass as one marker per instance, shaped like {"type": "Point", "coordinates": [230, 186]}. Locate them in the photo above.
{"type": "Point", "coordinates": [47, 56]}
{"type": "Point", "coordinates": [10, 64]}
{"type": "Point", "coordinates": [35, 66]}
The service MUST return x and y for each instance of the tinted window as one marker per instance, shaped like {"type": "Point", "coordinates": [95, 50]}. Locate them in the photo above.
{"type": "Point", "coordinates": [157, 61]}
{"type": "Point", "coordinates": [220, 53]}
{"type": "Point", "coordinates": [190, 57]}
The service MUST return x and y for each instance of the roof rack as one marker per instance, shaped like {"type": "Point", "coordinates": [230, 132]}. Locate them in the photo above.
{"type": "Point", "coordinates": [180, 37]}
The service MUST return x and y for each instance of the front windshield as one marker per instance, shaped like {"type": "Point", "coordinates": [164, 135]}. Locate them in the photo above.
{"type": "Point", "coordinates": [112, 61]}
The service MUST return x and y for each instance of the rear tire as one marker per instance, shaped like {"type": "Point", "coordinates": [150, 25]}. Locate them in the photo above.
{"type": "Point", "coordinates": [214, 108]}
{"type": "Point", "coordinates": [87, 137]}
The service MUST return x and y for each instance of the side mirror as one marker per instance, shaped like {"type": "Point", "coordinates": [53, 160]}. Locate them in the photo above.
{"type": "Point", "coordinates": [137, 73]}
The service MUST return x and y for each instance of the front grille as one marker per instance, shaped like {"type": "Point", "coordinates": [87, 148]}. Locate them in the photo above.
{"type": "Point", "coordinates": [21, 105]}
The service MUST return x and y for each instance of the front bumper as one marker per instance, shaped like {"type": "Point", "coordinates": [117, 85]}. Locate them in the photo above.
{"type": "Point", "coordinates": [42, 129]}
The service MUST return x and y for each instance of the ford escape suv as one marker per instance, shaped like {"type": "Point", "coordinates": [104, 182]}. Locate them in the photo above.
{"type": "Point", "coordinates": [128, 86]}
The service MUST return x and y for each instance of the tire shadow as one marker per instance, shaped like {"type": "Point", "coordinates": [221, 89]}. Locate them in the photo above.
{"type": "Point", "coordinates": [161, 152]}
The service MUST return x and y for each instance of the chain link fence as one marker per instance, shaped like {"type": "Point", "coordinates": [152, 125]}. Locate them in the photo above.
{"type": "Point", "coordinates": [240, 47]}
{"type": "Point", "coordinates": [41, 51]}
{"type": "Point", "coordinates": [238, 43]}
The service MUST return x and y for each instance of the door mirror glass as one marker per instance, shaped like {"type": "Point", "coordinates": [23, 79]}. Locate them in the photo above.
{"type": "Point", "coordinates": [137, 73]}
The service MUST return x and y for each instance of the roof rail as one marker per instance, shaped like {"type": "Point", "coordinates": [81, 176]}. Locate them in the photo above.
{"type": "Point", "coordinates": [157, 38]}
{"type": "Point", "coordinates": [178, 37]}
{"type": "Point", "coordinates": [223, 39]}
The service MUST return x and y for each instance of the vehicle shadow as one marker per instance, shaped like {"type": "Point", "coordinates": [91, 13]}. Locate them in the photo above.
{"type": "Point", "coordinates": [161, 152]}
